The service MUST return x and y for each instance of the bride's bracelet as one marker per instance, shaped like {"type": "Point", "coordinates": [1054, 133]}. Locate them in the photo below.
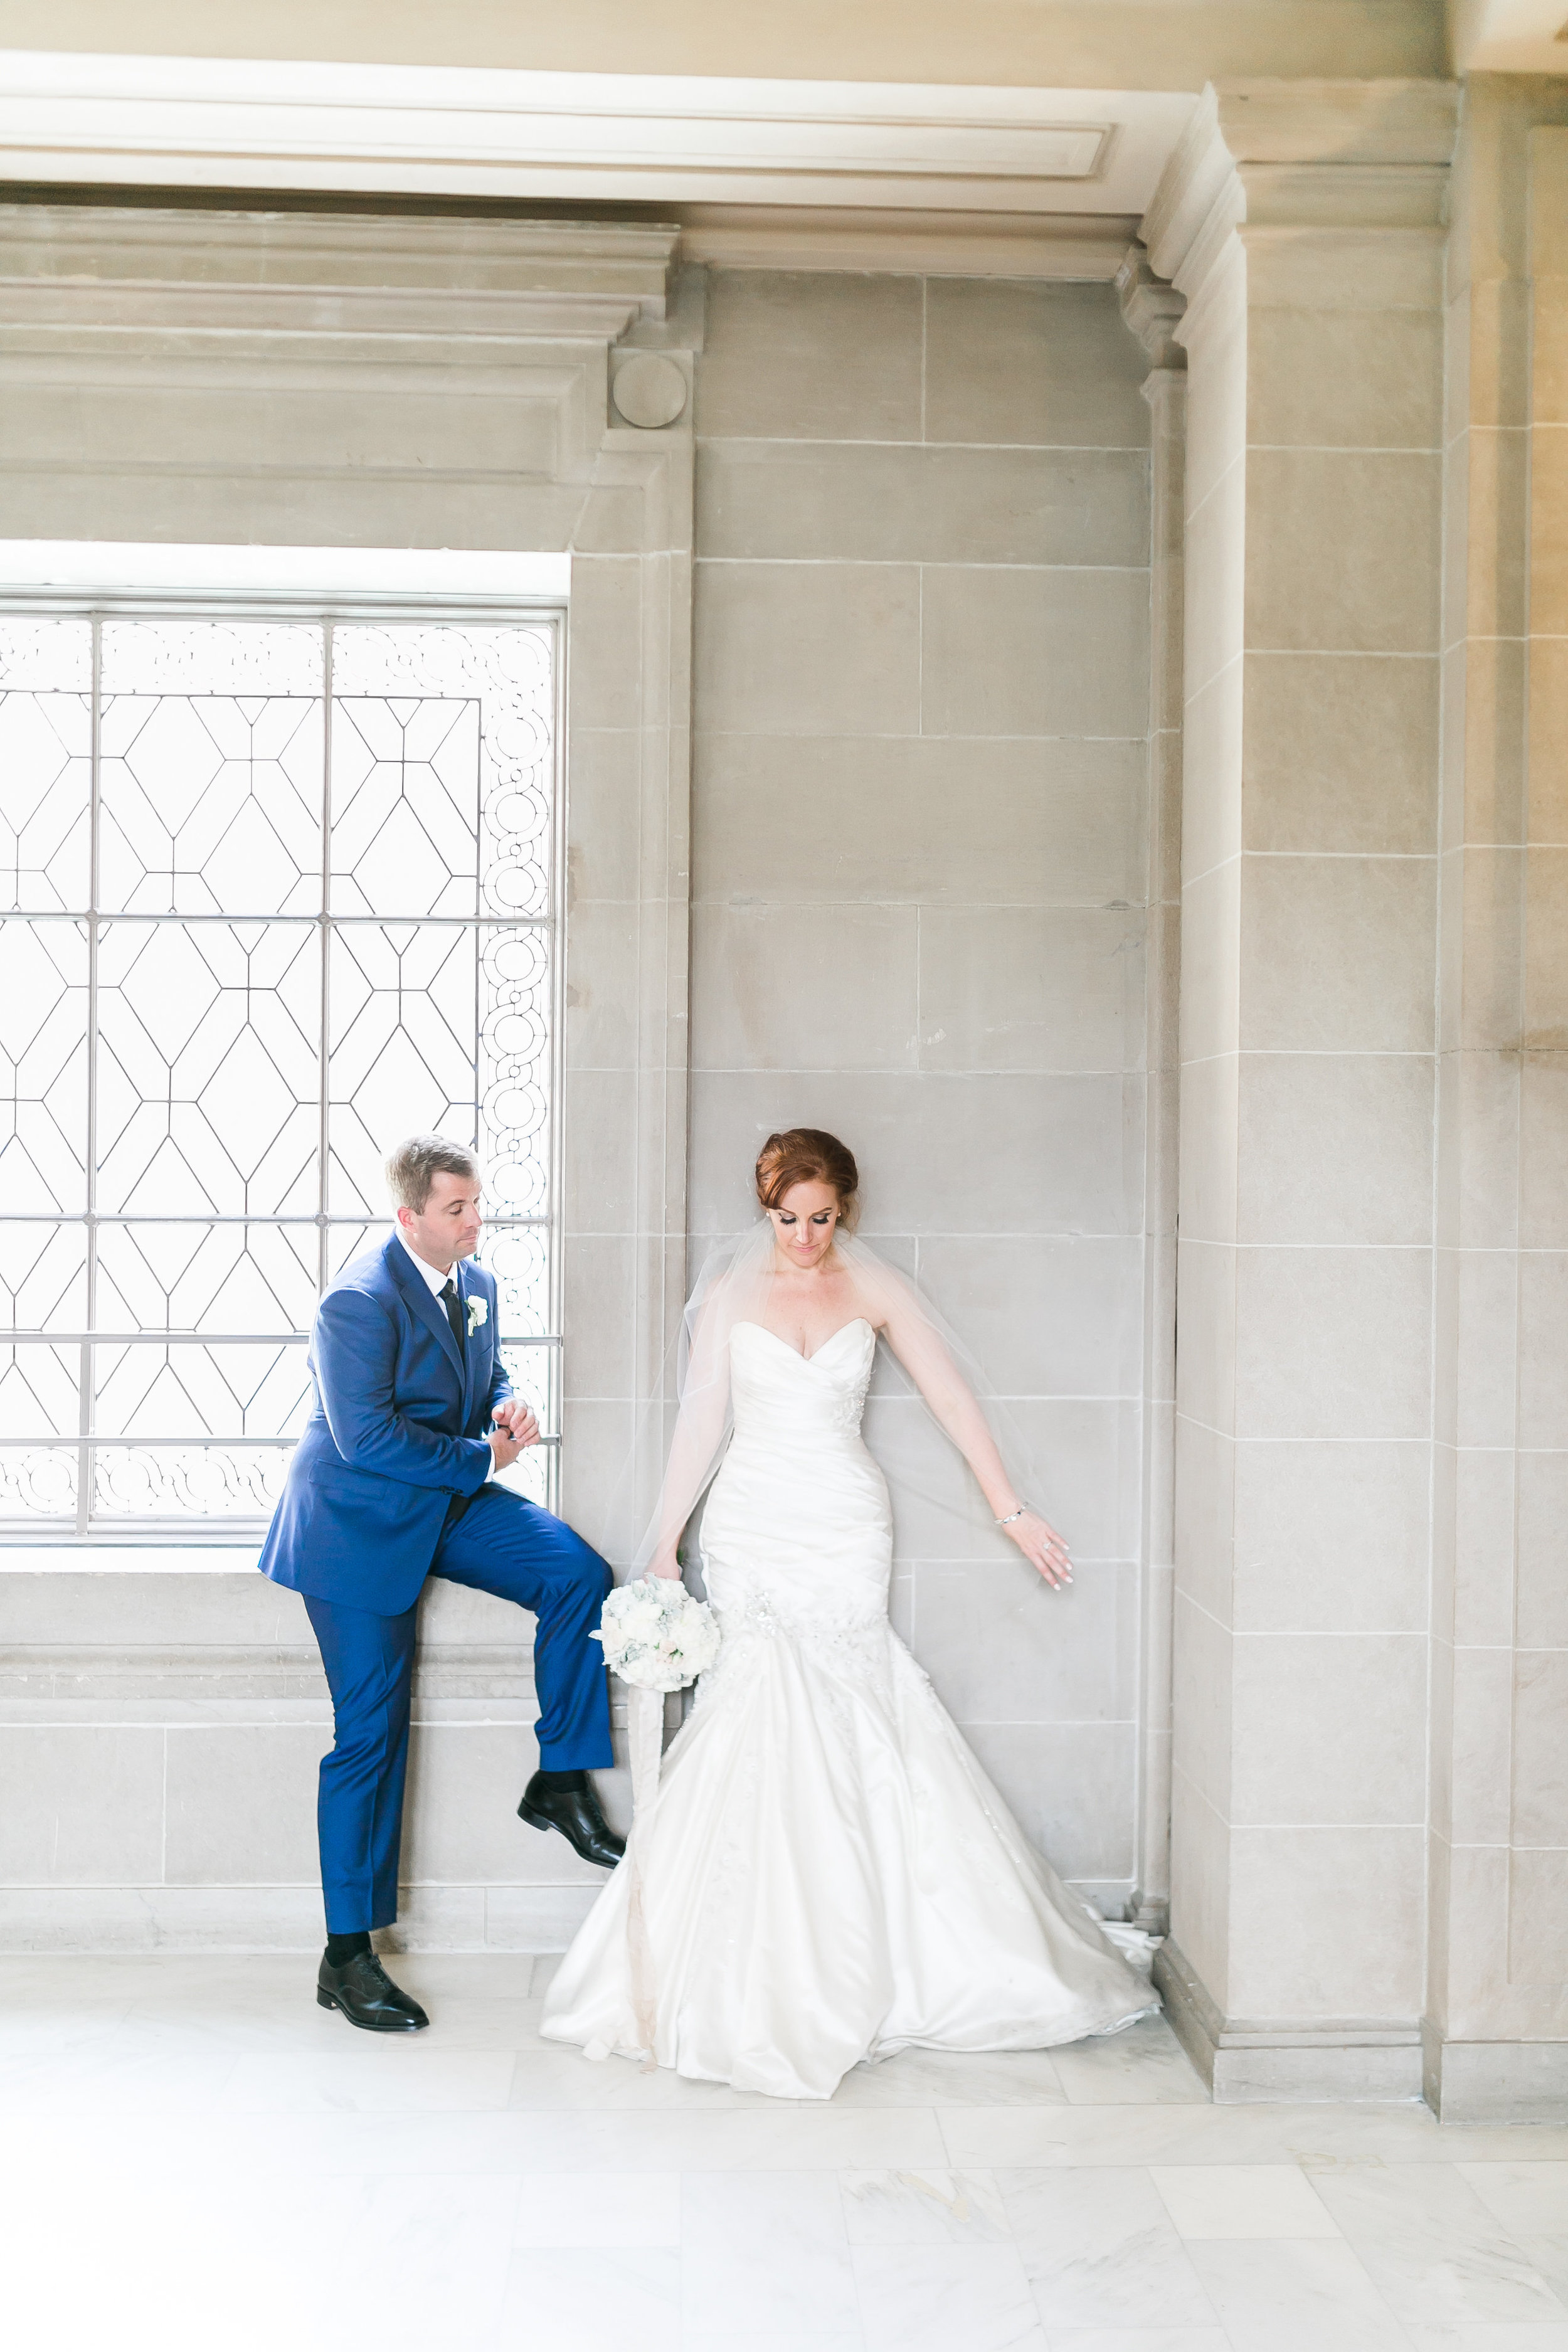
{"type": "Point", "coordinates": [1023, 1509]}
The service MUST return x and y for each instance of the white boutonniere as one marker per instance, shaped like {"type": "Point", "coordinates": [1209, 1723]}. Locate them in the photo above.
{"type": "Point", "coordinates": [478, 1314]}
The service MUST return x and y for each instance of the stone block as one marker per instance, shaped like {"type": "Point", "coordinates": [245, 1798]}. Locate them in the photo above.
{"type": "Point", "coordinates": [1014, 652]}
{"type": "Point", "coordinates": [1206, 1281]}
{"type": "Point", "coordinates": [1538, 1922]}
{"type": "Point", "coordinates": [1334, 1343]}
{"type": "Point", "coordinates": [599, 1118]}
{"type": "Point", "coordinates": [1070, 1788]}
{"type": "Point", "coordinates": [807, 649]}
{"type": "Point", "coordinates": [1323, 379]}
{"type": "Point", "coordinates": [851, 502]}
{"type": "Point", "coordinates": [604, 637]}
{"type": "Point", "coordinates": [1341, 754]}
{"type": "Point", "coordinates": [599, 1289]}
{"type": "Point", "coordinates": [999, 990]}
{"type": "Point", "coordinates": [241, 1802]}
{"type": "Point", "coordinates": [84, 1805]}
{"type": "Point", "coordinates": [1078, 1456]}
{"type": "Point", "coordinates": [1326, 1923]}
{"type": "Point", "coordinates": [1203, 1666]}
{"type": "Point", "coordinates": [1344, 550]}
{"type": "Point", "coordinates": [1210, 1013]}
{"type": "Point", "coordinates": [1200, 1895]}
{"type": "Point", "coordinates": [1209, 813]}
{"type": "Point", "coordinates": [1208, 1162]}
{"type": "Point", "coordinates": [1329, 1727]}
{"type": "Point", "coordinates": [1217, 568]}
{"type": "Point", "coordinates": [1539, 1757]}
{"type": "Point", "coordinates": [1335, 1147]}
{"type": "Point", "coordinates": [834, 986]}
{"type": "Point", "coordinates": [1046, 1315]}
{"type": "Point", "coordinates": [938, 1152]}
{"type": "Point", "coordinates": [1543, 1152]}
{"type": "Point", "coordinates": [813, 355]}
{"type": "Point", "coordinates": [1332, 1538]}
{"type": "Point", "coordinates": [1205, 1516]}
{"type": "Point", "coordinates": [1216, 335]}
{"type": "Point", "coordinates": [1543, 1357]}
{"type": "Point", "coordinates": [465, 1780]}
{"type": "Point", "coordinates": [601, 981]}
{"type": "Point", "coordinates": [1337, 954]}
{"type": "Point", "coordinates": [1003, 1647]}
{"type": "Point", "coordinates": [790, 819]}
{"type": "Point", "coordinates": [1041, 364]}
{"type": "Point", "coordinates": [1543, 1602]}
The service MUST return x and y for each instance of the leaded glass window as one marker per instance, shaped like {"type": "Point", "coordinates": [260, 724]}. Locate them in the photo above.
{"type": "Point", "coordinates": [273, 894]}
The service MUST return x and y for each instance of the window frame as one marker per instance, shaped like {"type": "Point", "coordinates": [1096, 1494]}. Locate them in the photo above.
{"type": "Point", "coordinates": [317, 607]}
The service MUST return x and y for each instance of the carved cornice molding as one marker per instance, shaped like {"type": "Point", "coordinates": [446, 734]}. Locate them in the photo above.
{"type": "Point", "coordinates": [1151, 309]}
{"type": "Point", "coordinates": [1324, 155]}
{"type": "Point", "coordinates": [1081, 246]}
{"type": "Point", "coordinates": [180, 121]}
{"type": "Point", "coordinates": [309, 277]}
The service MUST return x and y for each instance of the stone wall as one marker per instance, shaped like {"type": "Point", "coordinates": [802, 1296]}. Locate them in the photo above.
{"type": "Point", "coordinates": [245, 378]}
{"type": "Point", "coordinates": [918, 844]}
{"type": "Point", "coordinates": [921, 700]}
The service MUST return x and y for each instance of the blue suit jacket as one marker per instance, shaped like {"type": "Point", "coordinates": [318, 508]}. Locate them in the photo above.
{"type": "Point", "coordinates": [396, 1432]}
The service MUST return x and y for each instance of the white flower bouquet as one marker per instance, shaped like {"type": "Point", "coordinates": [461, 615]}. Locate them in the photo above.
{"type": "Point", "coordinates": [657, 1635]}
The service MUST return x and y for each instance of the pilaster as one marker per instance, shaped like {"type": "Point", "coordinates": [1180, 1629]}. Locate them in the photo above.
{"type": "Point", "coordinates": [1303, 224]}
{"type": "Point", "coordinates": [1497, 2011]}
{"type": "Point", "coordinates": [1153, 309]}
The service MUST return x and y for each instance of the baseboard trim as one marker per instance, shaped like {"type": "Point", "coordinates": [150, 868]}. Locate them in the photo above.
{"type": "Point", "coordinates": [432, 1918]}
{"type": "Point", "coordinates": [1247, 2061]}
{"type": "Point", "coordinates": [1495, 2082]}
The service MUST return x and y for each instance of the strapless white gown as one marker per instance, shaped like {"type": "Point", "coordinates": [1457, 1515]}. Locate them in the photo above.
{"type": "Point", "coordinates": [827, 1873]}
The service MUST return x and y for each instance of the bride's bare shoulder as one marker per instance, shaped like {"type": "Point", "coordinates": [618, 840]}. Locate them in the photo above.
{"type": "Point", "coordinates": [878, 1290]}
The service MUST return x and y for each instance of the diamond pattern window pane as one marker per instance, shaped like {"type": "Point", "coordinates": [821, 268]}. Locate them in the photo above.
{"type": "Point", "coordinates": [43, 1276]}
{"type": "Point", "coordinates": [188, 1390]}
{"type": "Point", "coordinates": [324, 863]}
{"type": "Point", "coordinates": [211, 805]}
{"type": "Point", "coordinates": [44, 973]}
{"type": "Point", "coordinates": [208, 1068]}
{"type": "Point", "coordinates": [38, 1394]}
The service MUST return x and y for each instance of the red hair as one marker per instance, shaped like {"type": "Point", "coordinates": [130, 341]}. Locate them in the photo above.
{"type": "Point", "coordinates": [807, 1155]}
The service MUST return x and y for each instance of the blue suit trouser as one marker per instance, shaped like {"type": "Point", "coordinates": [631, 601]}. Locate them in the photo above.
{"type": "Point", "coordinates": [502, 1544]}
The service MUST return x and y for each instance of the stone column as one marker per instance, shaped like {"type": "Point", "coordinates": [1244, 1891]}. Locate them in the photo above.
{"type": "Point", "coordinates": [1302, 222]}
{"type": "Point", "coordinates": [1496, 2024]}
{"type": "Point", "coordinates": [1152, 310]}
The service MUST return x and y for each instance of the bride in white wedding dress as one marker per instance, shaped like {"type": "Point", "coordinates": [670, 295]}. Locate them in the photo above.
{"type": "Point", "coordinates": [826, 1874]}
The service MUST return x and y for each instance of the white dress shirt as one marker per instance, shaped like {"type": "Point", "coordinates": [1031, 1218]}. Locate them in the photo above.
{"type": "Point", "coordinates": [437, 1280]}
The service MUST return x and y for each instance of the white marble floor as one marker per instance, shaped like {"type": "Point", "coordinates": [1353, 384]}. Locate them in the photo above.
{"type": "Point", "coordinates": [193, 2155]}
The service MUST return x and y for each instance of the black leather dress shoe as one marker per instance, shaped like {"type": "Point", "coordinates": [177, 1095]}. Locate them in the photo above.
{"type": "Point", "coordinates": [575, 1813]}
{"type": "Point", "coordinates": [367, 1996]}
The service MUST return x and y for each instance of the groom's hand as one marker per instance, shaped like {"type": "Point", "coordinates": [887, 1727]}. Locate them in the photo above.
{"type": "Point", "coordinates": [519, 1419]}
{"type": "Point", "coordinates": [515, 1429]}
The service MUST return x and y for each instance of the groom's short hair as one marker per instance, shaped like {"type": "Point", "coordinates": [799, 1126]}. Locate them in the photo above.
{"type": "Point", "coordinates": [414, 1166]}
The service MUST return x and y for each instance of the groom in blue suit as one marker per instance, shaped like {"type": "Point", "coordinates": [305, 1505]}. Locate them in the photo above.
{"type": "Point", "coordinates": [390, 1484]}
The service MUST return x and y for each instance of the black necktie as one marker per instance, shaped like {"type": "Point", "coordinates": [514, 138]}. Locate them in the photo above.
{"type": "Point", "coordinates": [453, 1311]}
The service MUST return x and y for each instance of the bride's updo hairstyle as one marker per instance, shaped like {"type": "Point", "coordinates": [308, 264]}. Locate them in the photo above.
{"type": "Point", "coordinates": [807, 1155]}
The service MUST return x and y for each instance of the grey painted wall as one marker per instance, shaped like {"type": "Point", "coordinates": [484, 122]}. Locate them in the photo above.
{"type": "Point", "coordinates": [921, 713]}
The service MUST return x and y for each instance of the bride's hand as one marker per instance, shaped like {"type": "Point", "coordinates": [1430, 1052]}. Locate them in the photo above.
{"type": "Point", "coordinates": [664, 1563]}
{"type": "Point", "coordinates": [1041, 1546]}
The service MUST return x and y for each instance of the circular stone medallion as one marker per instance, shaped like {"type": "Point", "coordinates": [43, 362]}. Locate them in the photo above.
{"type": "Point", "coordinates": [648, 391]}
